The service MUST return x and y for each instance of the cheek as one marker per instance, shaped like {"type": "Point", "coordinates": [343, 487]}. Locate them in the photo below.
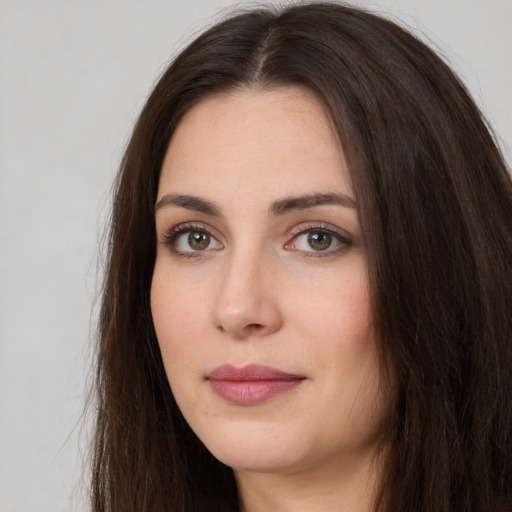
{"type": "Point", "coordinates": [339, 337]}
{"type": "Point", "coordinates": [179, 315]}
{"type": "Point", "coordinates": [337, 310]}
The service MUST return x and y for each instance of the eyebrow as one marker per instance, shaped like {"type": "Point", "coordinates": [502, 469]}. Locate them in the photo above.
{"type": "Point", "coordinates": [279, 207]}
{"type": "Point", "coordinates": [304, 202]}
{"type": "Point", "coordinates": [194, 203]}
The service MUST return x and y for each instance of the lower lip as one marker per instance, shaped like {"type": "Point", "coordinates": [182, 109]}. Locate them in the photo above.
{"type": "Point", "coordinates": [252, 392]}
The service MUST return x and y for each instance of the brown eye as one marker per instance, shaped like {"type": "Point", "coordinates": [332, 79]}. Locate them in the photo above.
{"type": "Point", "coordinates": [319, 240]}
{"type": "Point", "coordinates": [185, 240]}
{"type": "Point", "coordinates": [198, 240]}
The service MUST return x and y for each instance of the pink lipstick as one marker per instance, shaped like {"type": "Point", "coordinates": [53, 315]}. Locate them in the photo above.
{"type": "Point", "coordinates": [252, 384]}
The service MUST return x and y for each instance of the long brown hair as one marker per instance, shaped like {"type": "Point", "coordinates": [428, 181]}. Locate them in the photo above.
{"type": "Point", "coordinates": [435, 204]}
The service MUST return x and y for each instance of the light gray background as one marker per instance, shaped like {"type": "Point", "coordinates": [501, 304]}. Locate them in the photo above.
{"type": "Point", "coordinates": [73, 78]}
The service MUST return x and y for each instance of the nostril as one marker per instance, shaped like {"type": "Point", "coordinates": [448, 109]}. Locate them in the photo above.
{"type": "Point", "coordinates": [252, 318]}
{"type": "Point", "coordinates": [254, 328]}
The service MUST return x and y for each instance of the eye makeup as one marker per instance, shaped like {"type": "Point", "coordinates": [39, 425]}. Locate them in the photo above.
{"type": "Point", "coordinates": [318, 240]}
{"type": "Point", "coordinates": [190, 240]}
{"type": "Point", "coordinates": [312, 239]}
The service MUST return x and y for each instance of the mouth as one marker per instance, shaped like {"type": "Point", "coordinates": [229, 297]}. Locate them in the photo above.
{"type": "Point", "coordinates": [251, 384]}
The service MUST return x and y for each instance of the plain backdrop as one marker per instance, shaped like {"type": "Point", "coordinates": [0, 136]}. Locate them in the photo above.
{"type": "Point", "coordinates": [73, 76]}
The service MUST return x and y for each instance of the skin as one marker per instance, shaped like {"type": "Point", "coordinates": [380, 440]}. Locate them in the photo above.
{"type": "Point", "coordinates": [259, 293]}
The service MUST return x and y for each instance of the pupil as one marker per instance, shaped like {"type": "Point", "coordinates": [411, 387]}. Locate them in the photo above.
{"type": "Point", "coordinates": [198, 240]}
{"type": "Point", "coordinates": [319, 241]}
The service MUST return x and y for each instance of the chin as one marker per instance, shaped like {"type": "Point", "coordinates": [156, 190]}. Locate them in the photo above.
{"type": "Point", "coordinates": [261, 460]}
{"type": "Point", "coordinates": [255, 449]}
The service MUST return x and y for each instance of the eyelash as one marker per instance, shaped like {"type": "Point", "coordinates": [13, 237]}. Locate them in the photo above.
{"type": "Point", "coordinates": [171, 238]}
{"type": "Point", "coordinates": [303, 230]}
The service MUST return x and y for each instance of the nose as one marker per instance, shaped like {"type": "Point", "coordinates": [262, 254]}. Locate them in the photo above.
{"type": "Point", "coordinates": [246, 304]}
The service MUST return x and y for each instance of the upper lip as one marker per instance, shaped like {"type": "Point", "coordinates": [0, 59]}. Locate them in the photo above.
{"type": "Point", "coordinates": [250, 372]}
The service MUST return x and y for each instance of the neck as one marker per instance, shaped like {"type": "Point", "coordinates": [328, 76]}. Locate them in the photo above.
{"type": "Point", "coordinates": [350, 488]}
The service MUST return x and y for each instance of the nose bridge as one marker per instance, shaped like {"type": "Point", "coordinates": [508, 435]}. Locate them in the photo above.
{"type": "Point", "coordinates": [246, 302]}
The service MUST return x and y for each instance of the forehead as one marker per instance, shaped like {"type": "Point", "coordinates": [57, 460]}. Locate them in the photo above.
{"type": "Point", "coordinates": [255, 139]}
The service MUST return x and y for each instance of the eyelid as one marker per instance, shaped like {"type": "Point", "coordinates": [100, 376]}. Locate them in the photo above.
{"type": "Point", "coordinates": [342, 237]}
{"type": "Point", "coordinates": [170, 237]}
{"type": "Point", "coordinates": [321, 226]}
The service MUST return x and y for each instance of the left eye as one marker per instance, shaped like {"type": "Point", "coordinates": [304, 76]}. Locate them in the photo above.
{"type": "Point", "coordinates": [320, 241]}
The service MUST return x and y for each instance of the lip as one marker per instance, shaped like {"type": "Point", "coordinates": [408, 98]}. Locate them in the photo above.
{"type": "Point", "coordinates": [252, 384]}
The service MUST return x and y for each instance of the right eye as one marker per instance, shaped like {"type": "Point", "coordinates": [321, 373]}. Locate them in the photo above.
{"type": "Point", "coordinates": [190, 240]}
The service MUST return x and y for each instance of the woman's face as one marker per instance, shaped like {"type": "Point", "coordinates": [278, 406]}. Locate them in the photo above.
{"type": "Point", "coordinates": [260, 294]}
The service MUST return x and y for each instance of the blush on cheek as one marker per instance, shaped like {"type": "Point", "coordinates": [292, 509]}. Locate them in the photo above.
{"type": "Point", "coordinates": [179, 326]}
{"type": "Point", "coordinates": [168, 304]}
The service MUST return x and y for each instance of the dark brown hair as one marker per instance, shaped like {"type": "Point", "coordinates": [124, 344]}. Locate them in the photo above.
{"type": "Point", "coordinates": [435, 206]}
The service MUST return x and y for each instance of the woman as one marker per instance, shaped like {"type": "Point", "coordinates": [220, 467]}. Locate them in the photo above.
{"type": "Point", "coordinates": [307, 300]}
